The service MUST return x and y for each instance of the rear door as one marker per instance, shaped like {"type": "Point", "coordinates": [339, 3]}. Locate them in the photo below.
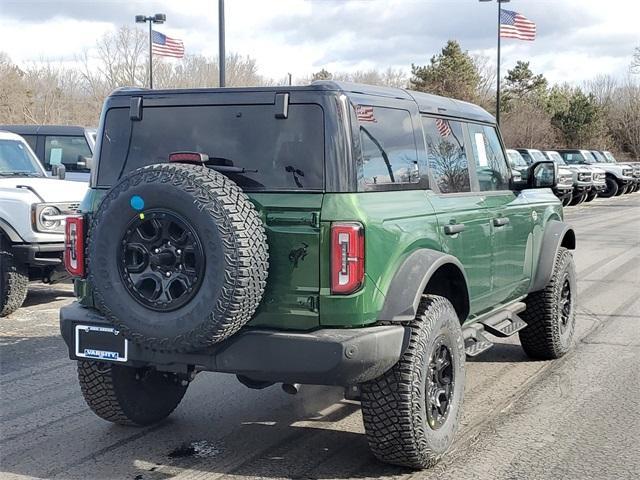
{"type": "Point", "coordinates": [463, 219]}
{"type": "Point", "coordinates": [511, 223]}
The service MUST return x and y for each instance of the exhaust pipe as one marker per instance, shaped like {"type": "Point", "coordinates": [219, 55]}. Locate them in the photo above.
{"type": "Point", "coordinates": [291, 388]}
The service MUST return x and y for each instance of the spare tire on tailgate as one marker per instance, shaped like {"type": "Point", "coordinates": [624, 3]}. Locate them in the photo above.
{"type": "Point", "coordinates": [177, 257]}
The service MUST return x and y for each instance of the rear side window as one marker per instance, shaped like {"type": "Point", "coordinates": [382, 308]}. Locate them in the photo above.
{"type": "Point", "coordinates": [66, 150]}
{"type": "Point", "coordinates": [389, 153]}
{"type": "Point", "coordinates": [446, 154]}
{"type": "Point", "coordinates": [279, 154]}
{"type": "Point", "coordinates": [491, 164]}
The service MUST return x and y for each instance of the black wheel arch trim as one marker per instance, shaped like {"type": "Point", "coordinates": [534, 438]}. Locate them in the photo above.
{"type": "Point", "coordinates": [411, 279]}
{"type": "Point", "coordinates": [556, 234]}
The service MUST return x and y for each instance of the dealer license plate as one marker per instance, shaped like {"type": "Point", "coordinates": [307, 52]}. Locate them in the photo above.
{"type": "Point", "coordinates": [100, 343]}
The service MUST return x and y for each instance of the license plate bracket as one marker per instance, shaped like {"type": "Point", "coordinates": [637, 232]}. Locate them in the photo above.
{"type": "Point", "coordinates": [100, 343]}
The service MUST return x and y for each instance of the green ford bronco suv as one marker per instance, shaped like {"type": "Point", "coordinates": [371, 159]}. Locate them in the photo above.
{"type": "Point", "coordinates": [331, 234]}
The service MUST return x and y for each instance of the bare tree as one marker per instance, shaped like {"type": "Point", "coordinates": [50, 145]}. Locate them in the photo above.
{"type": "Point", "coordinates": [527, 125]}
{"type": "Point", "coordinates": [624, 119]}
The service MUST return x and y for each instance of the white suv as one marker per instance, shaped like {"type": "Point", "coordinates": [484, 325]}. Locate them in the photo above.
{"type": "Point", "coordinates": [33, 209]}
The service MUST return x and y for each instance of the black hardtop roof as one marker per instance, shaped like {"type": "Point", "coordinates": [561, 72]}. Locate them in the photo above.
{"type": "Point", "coordinates": [427, 103]}
{"type": "Point", "coordinates": [44, 129]}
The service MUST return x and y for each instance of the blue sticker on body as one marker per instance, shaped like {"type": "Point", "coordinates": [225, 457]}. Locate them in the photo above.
{"type": "Point", "coordinates": [137, 203]}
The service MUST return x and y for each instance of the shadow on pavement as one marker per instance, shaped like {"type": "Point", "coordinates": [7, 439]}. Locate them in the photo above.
{"type": "Point", "coordinates": [41, 294]}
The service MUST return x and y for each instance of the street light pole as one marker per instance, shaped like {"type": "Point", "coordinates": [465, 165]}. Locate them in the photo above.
{"type": "Point", "coordinates": [157, 18]}
{"type": "Point", "coordinates": [150, 56]}
{"type": "Point", "coordinates": [499, 2]}
{"type": "Point", "coordinates": [221, 53]}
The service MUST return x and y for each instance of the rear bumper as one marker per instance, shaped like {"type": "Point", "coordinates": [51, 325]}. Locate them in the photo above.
{"type": "Point", "coordinates": [39, 254]}
{"type": "Point", "coordinates": [321, 357]}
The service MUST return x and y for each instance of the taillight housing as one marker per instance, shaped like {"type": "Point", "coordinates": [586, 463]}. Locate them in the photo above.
{"type": "Point", "coordinates": [74, 246]}
{"type": "Point", "coordinates": [347, 257]}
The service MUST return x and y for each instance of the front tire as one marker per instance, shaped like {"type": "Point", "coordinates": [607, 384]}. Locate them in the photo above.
{"type": "Point", "coordinates": [577, 200]}
{"type": "Point", "coordinates": [411, 412]}
{"type": "Point", "coordinates": [129, 396]}
{"type": "Point", "coordinates": [550, 313]}
{"type": "Point", "coordinates": [591, 196]}
{"type": "Point", "coordinates": [14, 280]}
{"type": "Point", "coordinates": [612, 188]}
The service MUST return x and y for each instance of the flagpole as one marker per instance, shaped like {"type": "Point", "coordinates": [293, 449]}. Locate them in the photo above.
{"type": "Point", "coordinates": [157, 18]}
{"type": "Point", "coordinates": [151, 56]}
{"type": "Point", "coordinates": [498, 69]}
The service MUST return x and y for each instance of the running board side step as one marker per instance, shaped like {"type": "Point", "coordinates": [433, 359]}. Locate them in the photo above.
{"type": "Point", "coordinates": [503, 323]}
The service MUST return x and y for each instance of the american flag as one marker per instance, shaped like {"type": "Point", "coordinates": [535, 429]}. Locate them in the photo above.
{"type": "Point", "coordinates": [166, 46]}
{"type": "Point", "coordinates": [514, 25]}
{"type": "Point", "coordinates": [443, 127]}
{"type": "Point", "coordinates": [365, 114]}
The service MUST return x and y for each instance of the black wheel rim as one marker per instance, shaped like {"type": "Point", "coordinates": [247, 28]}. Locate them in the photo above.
{"type": "Point", "coordinates": [161, 260]}
{"type": "Point", "coordinates": [565, 304]}
{"type": "Point", "coordinates": [440, 384]}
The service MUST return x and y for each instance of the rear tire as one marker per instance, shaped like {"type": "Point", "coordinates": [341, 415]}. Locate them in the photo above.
{"type": "Point", "coordinates": [127, 395]}
{"type": "Point", "coordinates": [411, 412]}
{"type": "Point", "coordinates": [14, 280]}
{"type": "Point", "coordinates": [622, 189]}
{"type": "Point", "coordinates": [550, 313]}
{"type": "Point", "coordinates": [612, 188]}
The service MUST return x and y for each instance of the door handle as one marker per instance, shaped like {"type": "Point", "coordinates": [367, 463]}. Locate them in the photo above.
{"type": "Point", "coordinates": [454, 228]}
{"type": "Point", "coordinates": [500, 221]}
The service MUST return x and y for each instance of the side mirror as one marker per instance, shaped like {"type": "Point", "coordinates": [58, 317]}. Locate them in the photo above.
{"type": "Point", "coordinates": [543, 174]}
{"type": "Point", "coordinates": [519, 179]}
{"type": "Point", "coordinates": [84, 162]}
{"type": "Point", "coordinates": [59, 171]}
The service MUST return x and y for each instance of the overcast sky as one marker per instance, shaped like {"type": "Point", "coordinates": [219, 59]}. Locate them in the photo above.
{"type": "Point", "coordinates": [577, 39]}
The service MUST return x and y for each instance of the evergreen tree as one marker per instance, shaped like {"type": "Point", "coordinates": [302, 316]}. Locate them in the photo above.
{"type": "Point", "coordinates": [451, 73]}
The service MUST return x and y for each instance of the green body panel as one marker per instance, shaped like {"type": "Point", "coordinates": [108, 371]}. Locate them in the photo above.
{"type": "Point", "coordinates": [510, 262]}
{"type": "Point", "coordinates": [472, 246]}
{"type": "Point", "coordinates": [292, 223]}
{"type": "Point", "coordinates": [395, 224]}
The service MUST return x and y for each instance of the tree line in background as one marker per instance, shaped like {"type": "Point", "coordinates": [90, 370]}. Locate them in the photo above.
{"type": "Point", "coordinates": [604, 113]}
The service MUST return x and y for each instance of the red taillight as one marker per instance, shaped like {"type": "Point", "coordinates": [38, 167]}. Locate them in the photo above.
{"type": "Point", "coordinates": [188, 157]}
{"type": "Point", "coordinates": [347, 257]}
{"type": "Point", "coordinates": [74, 246]}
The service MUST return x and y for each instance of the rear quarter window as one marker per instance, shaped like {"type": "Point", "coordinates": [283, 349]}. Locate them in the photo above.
{"type": "Point", "coordinates": [389, 153]}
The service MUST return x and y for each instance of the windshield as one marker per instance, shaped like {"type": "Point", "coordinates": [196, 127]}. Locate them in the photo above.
{"type": "Point", "coordinates": [599, 157]}
{"type": "Point", "coordinates": [278, 154]}
{"type": "Point", "coordinates": [609, 156]}
{"type": "Point", "coordinates": [515, 159]}
{"type": "Point", "coordinates": [555, 157]}
{"type": "Point", "coordinates": [575, 157]}
{"type": "Point", "coordinates": [16, 160]}
{"type": "Point", "coordinates": [537, 156]}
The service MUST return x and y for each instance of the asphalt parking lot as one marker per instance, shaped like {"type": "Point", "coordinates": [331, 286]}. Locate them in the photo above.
{"type": "Point", "coordinates": [578, 417]}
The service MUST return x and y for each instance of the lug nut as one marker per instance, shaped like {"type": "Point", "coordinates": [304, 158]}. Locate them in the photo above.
{"type": "Point", "coordinates": [178, 251]}
{"type": "Point", "coordinates": [168, 274]}
{"type": "Point", "coordinates": [157, 250]}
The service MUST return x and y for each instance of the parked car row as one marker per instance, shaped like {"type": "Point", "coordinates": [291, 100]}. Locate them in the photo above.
{"type": "Point", "coordinates": [582, 174]}
{"type": "Point", "coordinates": [64, 151]}
{"type": "Point", "coordinates": [33, 212]}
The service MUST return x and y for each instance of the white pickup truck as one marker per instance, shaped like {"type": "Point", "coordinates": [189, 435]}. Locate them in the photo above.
{"type": "Point", "coordinates": [33, 209]}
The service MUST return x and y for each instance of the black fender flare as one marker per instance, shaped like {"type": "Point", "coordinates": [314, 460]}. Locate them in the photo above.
{"type": "Point", "coordinates": [409, 283]}
{"type": "Point", "coordinates": [556, 235]}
